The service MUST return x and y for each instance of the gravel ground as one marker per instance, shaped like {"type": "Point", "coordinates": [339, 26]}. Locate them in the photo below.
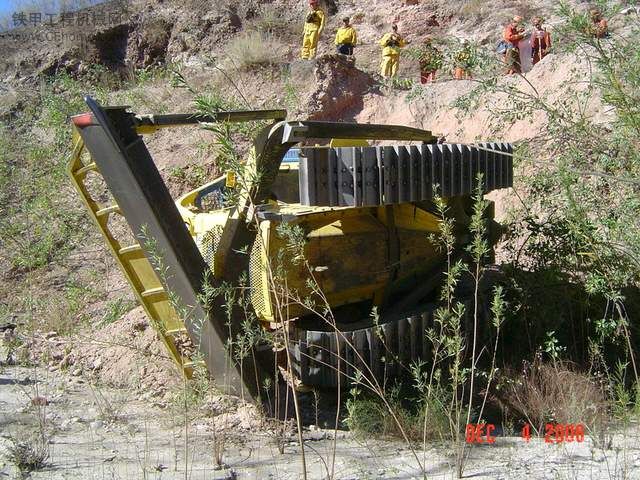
{"type": "Point", "coordinates": [108, 433]}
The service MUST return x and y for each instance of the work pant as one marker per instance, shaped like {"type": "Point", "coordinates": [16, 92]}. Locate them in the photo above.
{"type": "Point", "coordinates": [389, 66]}
{"type": "Point", "coordinates": [460, 73]}
{"type": "Point", "coordinates": [427, 76]}
{"type": "Point", "coordinates": [309, 43]}
{"type": "Point", "coordinates": [345, 49]}
{"type": "Point", "coordinates": [512, 60]}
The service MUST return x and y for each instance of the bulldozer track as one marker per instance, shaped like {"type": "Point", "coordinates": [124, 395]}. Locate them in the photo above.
{"type": "Point", "coordinates": [380, 351]}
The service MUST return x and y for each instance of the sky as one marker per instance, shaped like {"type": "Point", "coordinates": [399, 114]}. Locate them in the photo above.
{"type": "Point", "coordinates": [5, 7]}
{"type": "Point", "coordinates": [49, 6]}
{"type": "Point", "coordinates": [44, 7]}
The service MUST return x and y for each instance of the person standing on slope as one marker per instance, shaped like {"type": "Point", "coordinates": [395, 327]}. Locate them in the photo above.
{"type": "Point", "coordinates": [346, 38]}
{"type": "Point", "coordinates": [430, 61]}
{"type": "Point", "coordinates": [391, 44]}
{"type": "Point", "coordinates": [513, 33]}
{"type": "Point", "coordinates": [313, 26]}
{"type": "Point", "coordinates": [540, 41]}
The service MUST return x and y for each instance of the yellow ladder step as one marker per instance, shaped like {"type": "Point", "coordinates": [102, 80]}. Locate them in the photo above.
{"type": "Point", "coordinates": [152, 292]}
{"type": "Point", "coordinates": [130, 249]}
{"type": "Point", "coordinates": [193, 364]}
{"type": "Point", "coordinates": [108, 210]}
{"type": "Point", "coordinates": [87, 168]}
{"type": "Point", "coordinates": [176, 331]}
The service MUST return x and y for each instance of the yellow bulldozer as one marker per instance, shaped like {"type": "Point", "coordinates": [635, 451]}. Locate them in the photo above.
{"type": "Point", "coordinates": [364, 213]}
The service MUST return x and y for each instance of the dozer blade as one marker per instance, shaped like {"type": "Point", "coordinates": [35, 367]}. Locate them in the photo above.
{"type": "Point", "coordinates": [122, 158]}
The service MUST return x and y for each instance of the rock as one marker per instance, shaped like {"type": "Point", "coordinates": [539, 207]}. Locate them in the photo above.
{"type": "Point", "coordinates": [381, 471]}
{"type": "Point", "coordinates": [66, 361]}
{"type": "Point", "coordinates": [317, 435]}
{"type": "Point", "coordinates": [96, 424]}
{"type": "Point", "coordinates": [39, 401]}
{"type": "Point", "coordinates": [340, 86]}
{"type": "Point", "coordinates": [50, 334]}
{"type": "Point", "coordinates": [76, 372]}
{"type": "Point", "coordinates": [97, 363]}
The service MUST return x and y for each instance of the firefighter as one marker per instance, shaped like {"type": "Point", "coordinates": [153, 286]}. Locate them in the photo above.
{"type": "Point", "coordinates": [463, 61]}
{"type": "Point", "coordinates": [513, 33]}
{"type": "Point", "coordinates": [430, 61]}
{"type": "Point", "coordinates": [599, 26]}
{"type": "Point", "coordinates": [391, 44]}
{"type": "Point", "coordinates": [346, 38]}
{"type": "Point", "coordinates": [540, 41]}
{"type": "Point", "coordinates": [313, 26]}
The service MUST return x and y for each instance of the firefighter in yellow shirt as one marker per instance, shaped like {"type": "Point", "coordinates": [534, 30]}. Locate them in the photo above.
{"type": "Point", "coordinates": [313, 26]}
{"type": "Point", "coordinates": [346, 38]}
{"type": "Point", "coordinates": [391, 44]}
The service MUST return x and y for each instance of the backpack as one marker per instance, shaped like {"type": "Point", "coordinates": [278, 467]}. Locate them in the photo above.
{"type": "Point", "coordinates": [502, 47]}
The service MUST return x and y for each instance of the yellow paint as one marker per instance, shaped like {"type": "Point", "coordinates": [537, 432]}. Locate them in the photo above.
{"type": "Point", "coordinates": [346, 142]}
{"type": "Point", "coordinates": [131, 258]}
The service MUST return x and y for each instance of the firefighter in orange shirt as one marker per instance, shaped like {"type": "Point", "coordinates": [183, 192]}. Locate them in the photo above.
{"type": "Point", "coordinates": [540, 41]}
{"type": "Point", "coordinates": [513, 33]}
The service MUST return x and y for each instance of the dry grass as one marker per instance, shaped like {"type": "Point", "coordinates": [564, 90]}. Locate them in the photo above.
{"type": "Point", "coordinates": [28, 455]}
{"type": "Point", "coordinates": [556, 392]}
{"type": "Point", "coordinates": [254, 49]}
{"type": "Point", "coordinates": [274, 19]}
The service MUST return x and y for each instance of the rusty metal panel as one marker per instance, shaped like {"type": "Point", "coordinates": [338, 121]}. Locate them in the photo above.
{"type": "Point", "coordinates": [376, 350]}
{"type": "Point", "coordinates": [307, 193]}
{"type": "Point", "coordinates": [415, 173]}
{"type": "Point", "coordinates": [498, 165]}
{"type": "Point", "coordinates": [506, 162]}
{"type": "Point", "coordinates": [447, 177]}
{"type": "Point", "coordinates": [404, 342]}
{"type": "Point", "coordinates": [390, 330]}
{"type": "Point", "coordinates": [491, 166]}
{"type": "Point", "coordinates": [321, 170]}
{"type": "Point", "coordinates": [390, 175]}
{"type": "Point", "coordinates": [466, 180]}
{"type": "Point", "coordinates": [357, 176]}
{"type": "Point", "coordinates": [303, 179]}
{"type": "Point", "coordinates": [332, 177]}
{"type": "Point", "coordinates": [370, 177]}
{"type": "Point", "coordinates": [404, 184]}
{"type": "Point", "coordinates": [437, 178]}
{"type": "Point", "coordinates": [426, 186]}
{"type": "Point", "coordinates": [345, 176]}
{"type": "Point", "coordinates": [474, 165]}
{"type": "Point", "coordinates": [456, 169]}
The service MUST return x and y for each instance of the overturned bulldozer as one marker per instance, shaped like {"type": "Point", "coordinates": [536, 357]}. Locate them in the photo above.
{"type": "Point", "coordinates": [366, 213]}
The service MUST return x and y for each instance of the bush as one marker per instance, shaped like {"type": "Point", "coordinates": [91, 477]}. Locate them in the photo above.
{"type": "Point", "coordinates": [255, 49]}
{"type": "Point", "coordinates": [556, 392]}
{"type": "Point", "coordinates": [29, 455]}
